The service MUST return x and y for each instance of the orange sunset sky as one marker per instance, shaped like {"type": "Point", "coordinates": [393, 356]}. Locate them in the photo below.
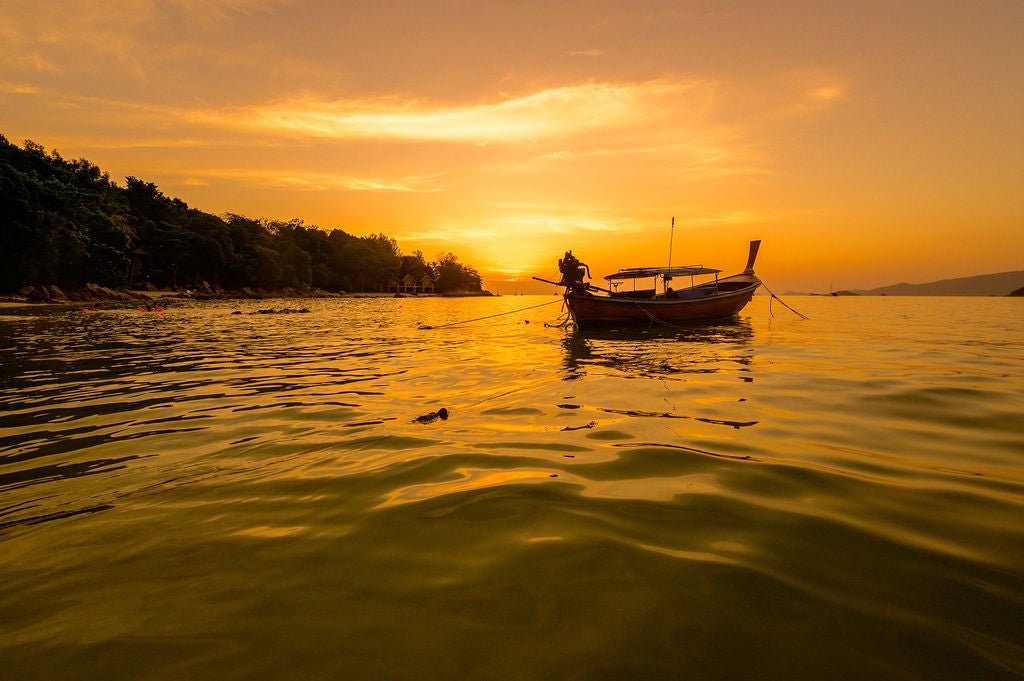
{"type": "Point", "coordinates": [865, 143]}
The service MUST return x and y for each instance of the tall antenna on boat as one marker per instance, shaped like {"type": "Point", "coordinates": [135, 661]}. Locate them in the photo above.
{"type": "Point", "coordinates": [670, 237]}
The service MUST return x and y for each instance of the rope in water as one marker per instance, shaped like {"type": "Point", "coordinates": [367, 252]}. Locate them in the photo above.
{"type": "Point", "coordinates": [425, 327]}
{"type": "Point", "coordinates": [775, 297]}
{"type": "Point", "coordinates": [654, 319]}
{"type": "Point", "coordinates": [564, 319]}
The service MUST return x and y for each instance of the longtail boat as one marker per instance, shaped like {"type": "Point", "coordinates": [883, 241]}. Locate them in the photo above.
{"type": "Point", "coordinates": [591, 305]}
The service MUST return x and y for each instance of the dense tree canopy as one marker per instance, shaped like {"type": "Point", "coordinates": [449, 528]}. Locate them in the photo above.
{"type": "Point", "coordinates": [66, 223]}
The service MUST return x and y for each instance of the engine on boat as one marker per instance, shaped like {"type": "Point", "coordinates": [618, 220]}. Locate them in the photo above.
{"type": "Point", "coordinates": [572, 271]}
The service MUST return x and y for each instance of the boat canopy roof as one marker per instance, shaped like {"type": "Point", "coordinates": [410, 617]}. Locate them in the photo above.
{"type": "Point", "coordinates": [641, 272]}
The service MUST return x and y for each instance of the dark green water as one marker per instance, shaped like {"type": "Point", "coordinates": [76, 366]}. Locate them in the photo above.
{"type": "Point", "coordinates": [196, 495]}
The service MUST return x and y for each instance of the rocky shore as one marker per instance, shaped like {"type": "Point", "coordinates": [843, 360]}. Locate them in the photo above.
{"type": "Point", "coordinates": [90, 293]}
{"type": "Point", "coordinates": [94, 293]}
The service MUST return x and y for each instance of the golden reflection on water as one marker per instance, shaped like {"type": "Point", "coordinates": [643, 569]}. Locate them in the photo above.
{"type": "Point", "coordinates": [265, 532]}
{"type": "Point", "coordinates": [650, 489]}
{"type": "Point", "coordinates": [468, 479]}
{"type": "Point", "coordinates": [670, 353]}
{"type": "Point", "coordinates": [243, 496]}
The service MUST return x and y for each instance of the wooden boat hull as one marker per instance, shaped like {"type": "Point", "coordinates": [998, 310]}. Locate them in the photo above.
{"type": "Point", "coordinates": [590, 310]}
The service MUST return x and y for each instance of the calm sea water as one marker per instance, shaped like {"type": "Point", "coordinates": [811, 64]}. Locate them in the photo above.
{"type": "Point", "coordinates": [200, 495]}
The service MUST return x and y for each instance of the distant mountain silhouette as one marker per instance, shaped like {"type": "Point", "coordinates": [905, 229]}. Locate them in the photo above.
{"type": "Point", "coordinates": [1000, 284]}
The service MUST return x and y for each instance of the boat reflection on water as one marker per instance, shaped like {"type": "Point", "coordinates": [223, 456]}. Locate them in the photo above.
{"type": "Point", "coordinates": [660, 351]}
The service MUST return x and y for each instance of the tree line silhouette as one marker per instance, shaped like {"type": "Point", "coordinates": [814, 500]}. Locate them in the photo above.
{"type": "Point", "coordinates": [66, 223]}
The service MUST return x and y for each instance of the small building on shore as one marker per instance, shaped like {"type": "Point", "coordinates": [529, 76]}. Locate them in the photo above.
{"type": "Point", "coordinates": [410, 283]}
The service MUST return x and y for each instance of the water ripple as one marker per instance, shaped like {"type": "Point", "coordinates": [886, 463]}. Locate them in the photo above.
{"type": "Point", "coordinates": [200, 494]}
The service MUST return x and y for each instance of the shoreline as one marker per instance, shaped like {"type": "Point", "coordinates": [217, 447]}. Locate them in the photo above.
{"type": "Point", "coordinates": [52, 296]}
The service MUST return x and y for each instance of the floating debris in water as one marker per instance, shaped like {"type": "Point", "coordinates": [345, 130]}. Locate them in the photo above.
{"type": "Point", "coordinates": [667, 415]}
{"type": "Point", "coordinates": [637, 412]}
{"type": "Point", "coordinates": [367, 423]}
{"type": "Point", "coordinates": [441, 413]}
{"type": "Point", "coordinates": [589, 425]}
{"type": "Point", "coordinates": [568, 406]}
{"type": "Point", "coordinates": [724, 422]}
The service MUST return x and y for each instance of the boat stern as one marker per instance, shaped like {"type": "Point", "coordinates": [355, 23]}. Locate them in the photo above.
{"type": "Point", "coordinates": [754, 246]}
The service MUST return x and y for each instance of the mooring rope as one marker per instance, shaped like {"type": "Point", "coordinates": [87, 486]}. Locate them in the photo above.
{"type": "Point", "coordinates": [425, 327]}
{"type": "Point", "coordinates": [564, 319]}
{"type": "Point", "coordinates": [568, 318]}
{"type": "Point", "coordinates": [775, 297]}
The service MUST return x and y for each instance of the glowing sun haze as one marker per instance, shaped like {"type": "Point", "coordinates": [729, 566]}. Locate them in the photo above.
{"type": "Point", "coordinates": [866, 143]}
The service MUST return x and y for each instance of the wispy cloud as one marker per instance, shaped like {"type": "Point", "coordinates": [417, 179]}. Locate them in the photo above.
{"type": "Point", "coordinates": [710, 152]}
{"type": "Point", "coordinates": [454, 234]}
{"type": "Point", "coordinates": [667, 118]}
{"type": "Point", "coordinates": [314, 181]}
{"type": "Point", "coordinates": [593, 52]}
{"type": "Point", "coordinates": [528, 223]}
{"type": "Point", "coordinates": [19, 88]}
{"type": "Point", "coordinates": [554, 112]}
{"type": "Point", "coordinates": [225, 8]}
{"type": "Point", "coordinates": [519, 239]}
{"type": "Point", "coordinates": [826, 93]}
{"type": "Point", "coordinates": [72, 36]}
{"type": "Point", "coordinates": [812, 91]}
{"type": "Point", "coordinates": [566, 223]}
